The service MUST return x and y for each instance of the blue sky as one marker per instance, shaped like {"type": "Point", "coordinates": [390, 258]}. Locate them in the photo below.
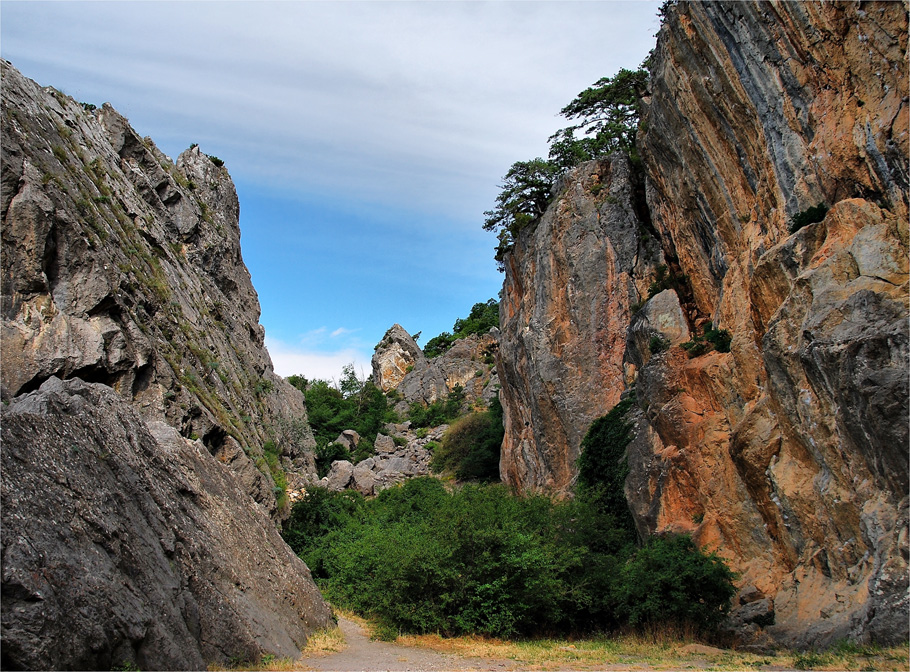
{"type": "Point", "coordinates": [366, 139]}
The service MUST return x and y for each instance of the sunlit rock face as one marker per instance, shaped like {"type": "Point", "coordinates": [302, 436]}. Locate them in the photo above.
{"type": "Point", "coordinates": [399, 364]}
{"type": "Point", "coordinates": [570, 282]}
{"type": "Point", "coordinates": [787, 454]}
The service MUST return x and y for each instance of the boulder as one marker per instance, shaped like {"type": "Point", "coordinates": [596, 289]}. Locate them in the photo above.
{"type": "Point", "coordinates": [127, 544]}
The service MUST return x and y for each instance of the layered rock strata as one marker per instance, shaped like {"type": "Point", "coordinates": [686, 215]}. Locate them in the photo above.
{"type": "Point", "coordinates": [126, 544]}
{"type": "Point", "coordinates": [122, 267]}
{"type": "Point", "coordinates": [787, 454]}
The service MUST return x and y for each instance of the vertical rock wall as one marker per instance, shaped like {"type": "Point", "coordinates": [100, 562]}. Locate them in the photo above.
{"type": "Point", "coordinates": [569, 285]}
{"type": "Point", "coordinates": [788, 454]}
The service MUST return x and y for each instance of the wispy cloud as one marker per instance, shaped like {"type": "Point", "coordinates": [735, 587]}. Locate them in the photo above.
{"type": "Point", "coordinates": [291, 360]}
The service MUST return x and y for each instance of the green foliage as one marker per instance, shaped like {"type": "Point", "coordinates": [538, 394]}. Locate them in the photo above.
{"type": "Point", "coordinates": [214, 159]}
{"type": "Point", "coordinates": [470, 447]}
{"type": "Point", "coordinates": [524, 196]}
{"type": "Point", "coordinates": [483, 317]}
{"type": "Point", "coordinates": [320, 512]}
{"type": "Point", "coordinates": [664, 279]}
{"type": "Point", "coordinates": [670, 581]}
{"type": "Point", "coordinates": [357, 405]}
{"type": "Point", "coordinates": [602, 465]}
{"type": "Point", "coordinates": [608, 112]}
{"type": "Point", "coordinates": [479, 559]}
{"type": "Point", "coordinates": [608, 115]}
{"type": "Point", "coordinates": [711, 339]}
{"type": "Point", "coordinates": [808, 216]}
{"type": "Point", "coordinates": [88, 107]}
{"type": "Point", "coordinates": [658, 343]}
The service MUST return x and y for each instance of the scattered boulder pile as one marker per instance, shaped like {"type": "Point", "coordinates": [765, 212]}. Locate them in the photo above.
{"type": "Point", "coordinates": [401, 454]}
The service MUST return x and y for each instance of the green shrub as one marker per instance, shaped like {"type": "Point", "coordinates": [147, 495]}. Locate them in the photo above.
{"type": "Point", "coordinates": [328, 453]}
{"type": "Point", "coordinates": [669, 580]}
{"type": "Point", "coordinates": [658, 343]}
{"type": "Point", "coordinates": [317, 514]}
{"type": "Point", "coordinates": [471, 445]}
{"type": "Point", "coordinates": [711, 339]}
{"type": "Point", "coordinates": [214, 159]}
{"type": "Point", "coordinates": [808, 216]}
{"type": "Point", "coordinates": [479, 559]}
{"type": "Point", "coordinates": [482, 318]}
{"type": "Point", "coordinates": [602, 464]}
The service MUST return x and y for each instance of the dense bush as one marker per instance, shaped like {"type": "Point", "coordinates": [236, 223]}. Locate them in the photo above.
{"type": "Point", "coordinates": [482, 560]}
{"type": "Point", "coordinates": [670, 581]}
{"type": "Point", "coordinates": [439, 412]}
{"type": "Point", "coordinates": [470, 447]}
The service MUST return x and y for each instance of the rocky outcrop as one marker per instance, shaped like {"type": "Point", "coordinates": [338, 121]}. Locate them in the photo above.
{"type": "Point", "coordinates": [787, 454]}
{"type": "Point", "coordinates": [399, 364]}
{"type": "Point", "coordinates": [122, 267]}
{"type": "Point", "coordinates": [125, 543]}
{"type": "Point", "coordinates": [571, 282]}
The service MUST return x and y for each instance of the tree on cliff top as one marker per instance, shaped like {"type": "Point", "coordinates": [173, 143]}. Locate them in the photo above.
{"type": "Point", "coordinates": [608, 114]}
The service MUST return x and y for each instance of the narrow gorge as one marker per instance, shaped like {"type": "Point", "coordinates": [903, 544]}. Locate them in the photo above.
{"type": "Point", "coordinates": [738, 281]}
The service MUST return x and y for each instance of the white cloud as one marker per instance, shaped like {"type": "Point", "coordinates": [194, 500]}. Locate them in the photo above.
{"type": "Point", "coordinates": [290, 360]}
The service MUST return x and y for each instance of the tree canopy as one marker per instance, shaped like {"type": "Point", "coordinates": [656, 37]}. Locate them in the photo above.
{"type": "Point", "coordinates": [608, 115]}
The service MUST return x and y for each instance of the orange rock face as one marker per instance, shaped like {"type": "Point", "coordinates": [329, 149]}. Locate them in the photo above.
{"type": "Point", "coordinates": [788, 454]}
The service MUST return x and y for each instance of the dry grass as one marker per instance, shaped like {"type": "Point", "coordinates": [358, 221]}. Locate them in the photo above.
{"type": "Point", "coordinates": [320, 643]}
{"type": "Point", "coordinates": [654, 651]}
{"type": "Point", "coordinates": [325, 642]}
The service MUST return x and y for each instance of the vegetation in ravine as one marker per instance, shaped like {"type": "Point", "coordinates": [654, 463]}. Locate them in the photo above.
{"type": "Point", "coordinates": [478, 559]}
{"type": "Point", "coordinates": [470, 447]}
{"type": "Point", "coordinates": [353, 403]}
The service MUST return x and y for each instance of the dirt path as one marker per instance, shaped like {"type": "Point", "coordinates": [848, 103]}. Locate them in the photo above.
{"type": "Point", "coordinates": [364, 655]}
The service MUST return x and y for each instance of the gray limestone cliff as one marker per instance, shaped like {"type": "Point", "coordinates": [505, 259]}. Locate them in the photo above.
{"type": "Point", "coordinates": [145, 436]}
{"type": "Point", "coordinates": [124, 268]}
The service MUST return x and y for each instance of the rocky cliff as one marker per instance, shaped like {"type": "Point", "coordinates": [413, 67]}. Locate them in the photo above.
{"type": "Point", "coordinates": [144, 435]}
{"type": "Point", "coordinates": [125, 543]}
{"type": "Point", "coordinates": [788, 454]}
{"type": "Point", "coordinates": [124, 268]}
{"type": "Point", "coordinates": [399, 364]}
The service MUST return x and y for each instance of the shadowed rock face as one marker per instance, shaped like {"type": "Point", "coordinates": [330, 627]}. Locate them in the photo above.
{"type": "Point", "coordinates": [124, 542]}
{"type": "Point", "coordinates": [122, 267]}
{"type": "Point", "coordinates": [569, 285]}
{"type": "Point", "coordinates": [789, 453]}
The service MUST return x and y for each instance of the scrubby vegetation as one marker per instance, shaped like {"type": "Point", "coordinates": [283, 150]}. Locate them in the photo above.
{"type": "Point", "coordinates": [483, 317]}
{"type": "Point", "coordinates": [470, 447]}
{"type": "Point", "coordinates": [354, 404]}
{"type": "Point", "coordinates": [478, 559]}
{"type": "Point", "coordinates": [711, 339]}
